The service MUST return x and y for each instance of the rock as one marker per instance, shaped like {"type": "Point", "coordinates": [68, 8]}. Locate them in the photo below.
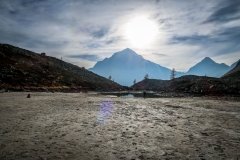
{"type": "Point", "coordinates": [28, 96]}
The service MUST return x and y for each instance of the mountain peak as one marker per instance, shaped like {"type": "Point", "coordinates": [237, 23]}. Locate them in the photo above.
{"type": "Point", "coordinates": [208, 59]}
{"type": "Point", "coordinates": [127, 52]}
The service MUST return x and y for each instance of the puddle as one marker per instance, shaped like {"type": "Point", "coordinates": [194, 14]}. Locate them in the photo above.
{"type": "Point", "coordinates": [127, 96]}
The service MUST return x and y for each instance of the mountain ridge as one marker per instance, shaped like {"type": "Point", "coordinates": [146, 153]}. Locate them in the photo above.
{"type": "Point", "coordinates": [21, 68]}
{"type": "Point", "coordinates": [192, 85]}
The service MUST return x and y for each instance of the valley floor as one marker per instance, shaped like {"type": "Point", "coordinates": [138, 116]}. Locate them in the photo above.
{"type": "Point", "coordinates": [91, 126]}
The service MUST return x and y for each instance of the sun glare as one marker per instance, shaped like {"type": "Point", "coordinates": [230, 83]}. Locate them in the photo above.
{"type": "Point", "coordinates": [141, 32]}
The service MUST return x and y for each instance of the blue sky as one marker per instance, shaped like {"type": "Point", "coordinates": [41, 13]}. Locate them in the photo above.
{"type": "Point", "coordinates": [85, 31]}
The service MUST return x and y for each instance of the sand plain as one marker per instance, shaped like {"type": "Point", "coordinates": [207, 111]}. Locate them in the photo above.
{"type": "Point", "coordinates": [89, 126]}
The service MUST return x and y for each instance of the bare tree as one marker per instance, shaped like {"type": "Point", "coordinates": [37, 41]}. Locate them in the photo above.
{"type": "Point", "coordinates": [110, 77]}
{"type": "Point", "coordinates": [146, 76]}
{"type": "Point", "coordinates": [173, 74]}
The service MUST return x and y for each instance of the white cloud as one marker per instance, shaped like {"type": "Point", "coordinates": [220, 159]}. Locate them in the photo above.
{"type": "Point", "coordinates": [63, 28]}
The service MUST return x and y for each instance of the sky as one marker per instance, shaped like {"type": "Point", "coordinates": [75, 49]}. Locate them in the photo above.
{"type": "Point", "coordinates": [85, 31]}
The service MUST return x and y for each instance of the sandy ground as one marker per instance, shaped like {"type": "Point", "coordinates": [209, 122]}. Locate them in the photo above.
{"type": "Point", "coordinates": [95, 127]}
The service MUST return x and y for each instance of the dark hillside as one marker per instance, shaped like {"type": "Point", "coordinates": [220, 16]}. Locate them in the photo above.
{"type": "Point", "coordinates": [21, 68]}
{"type": "Point", "coordinates": [234, 73]}
{"type": "Point", "coordinates": [191, 84]}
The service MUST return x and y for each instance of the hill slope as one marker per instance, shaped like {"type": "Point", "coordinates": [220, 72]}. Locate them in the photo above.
{"type": "Point", "coordinates": [191, 84]}
{"type": "Point", "coordinates": [234, 73]}
{"type": "Point", "coordinates": [234, 64]}
{"type": "Point", "coordinates": [126, 66]}
{"type": "Point", "coordinates": [23, 68]}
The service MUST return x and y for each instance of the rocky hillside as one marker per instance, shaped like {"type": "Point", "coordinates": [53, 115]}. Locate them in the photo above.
{"type": "Point", "coordinates": [192, 85]}
{"type": "Point", "coordinates": [23, 69]}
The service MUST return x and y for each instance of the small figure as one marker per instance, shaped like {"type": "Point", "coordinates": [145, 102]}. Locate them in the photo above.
{"type": "Point", "coordinates": [28, 96]}
{"type": "Point", "coordinates": [144, 94]}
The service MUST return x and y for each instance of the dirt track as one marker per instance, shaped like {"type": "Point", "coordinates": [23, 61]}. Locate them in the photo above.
{"type": "Point", "coordinates": [89, 126]}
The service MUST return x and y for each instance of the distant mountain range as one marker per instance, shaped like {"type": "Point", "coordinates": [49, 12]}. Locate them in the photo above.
{"type": "Point", "coordinates": [126, 66]}
{"type": "Point", "coordinates": [21, 69]}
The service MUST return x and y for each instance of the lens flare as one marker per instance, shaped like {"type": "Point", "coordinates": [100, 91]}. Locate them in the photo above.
{"type": "Point", "coordinates": [105, 111]}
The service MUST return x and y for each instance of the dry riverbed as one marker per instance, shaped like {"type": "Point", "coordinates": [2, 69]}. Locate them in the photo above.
{"type": "Point", "coordinates": [102, 127]}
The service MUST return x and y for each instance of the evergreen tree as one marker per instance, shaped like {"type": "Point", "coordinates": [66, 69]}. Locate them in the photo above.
{"type": "Point", "coordinates": [173, 74]}
{"type": "Point", "coordinates": [146, 76]}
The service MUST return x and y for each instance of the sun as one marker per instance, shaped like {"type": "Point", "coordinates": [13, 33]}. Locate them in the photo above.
{"type": "Point", "coordinates": [141, 32]}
